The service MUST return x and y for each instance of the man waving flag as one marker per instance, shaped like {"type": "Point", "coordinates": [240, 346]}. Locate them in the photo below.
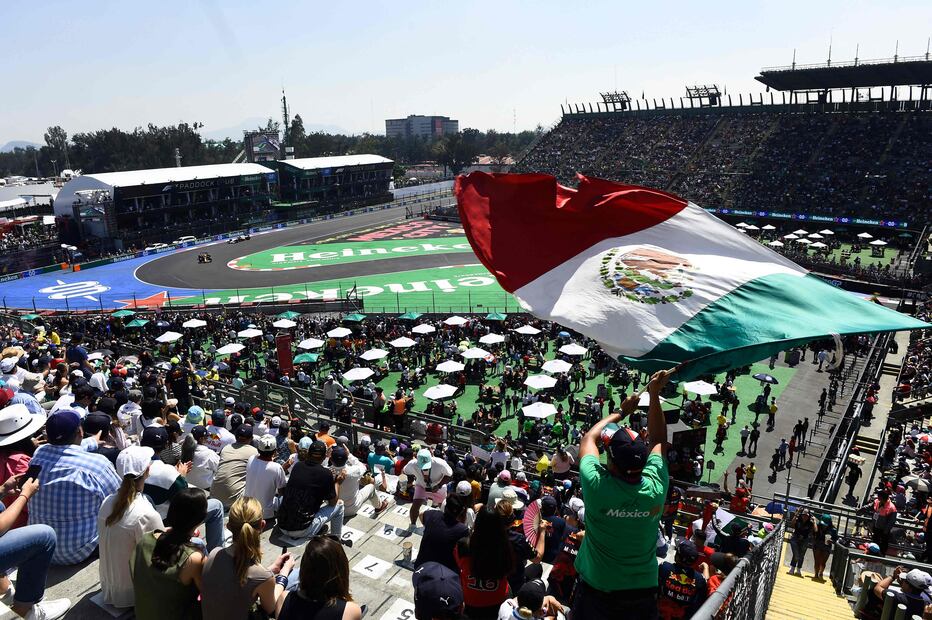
{"type": "Point", "coordinates": [656, 280]}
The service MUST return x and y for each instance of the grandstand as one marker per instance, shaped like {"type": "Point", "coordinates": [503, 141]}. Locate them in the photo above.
{"type": "Point", "coordinates": [840, 156]}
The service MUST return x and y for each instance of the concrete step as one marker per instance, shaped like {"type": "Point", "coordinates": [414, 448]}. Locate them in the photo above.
{"type": "Point", "coordinates": [890, 369]}
{"type": "Point", "coordinates": [867, 445]}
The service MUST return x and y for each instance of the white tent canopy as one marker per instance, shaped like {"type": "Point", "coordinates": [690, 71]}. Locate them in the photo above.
{"type": "Point", "coordinates": [251, 332]}
{"type": "Point", "coordinates": [358, 374]}
{"type": "Point", "coordinates": [193, 323]}
{"type": "Point", "coordinates": [540, 382]}
{"type": "Point", "coordinates": [168, 337]}
{"type": "Point", "coordinates": [556, 366]}
{"type": "Point", "coordinates": [439, 392]}
{"type": "Point", "coordinates": [450, 366]}
{"type": "Point", "coordinates": [703, 388]}
{"type": "Point", "coordinates": [455, 320]}
{"type": "Point", "coordinates": [539, 410]}
{"type": "Point", "coordinates": [374, 354]}
{"type": "Point", "coordinates": [475, 354]}
{"type": "Point", "coordinates": [231, 348]}
{"type": "Point", "coordinates": [310, 343]}
{"type": "Point", "coordinates": [878, 242]}
{"type": "Point", "coordinates": [284, 324]}
{"type": "Point", "coordinates": [423, 328]}
{"type": "Point", "coordinates": [492, 339]}
{"type": "Point", "coordinates": [402, 343]}
{"type": "Point", "coordinates": [865, 235]}
{"type": "Point", "coordinates": [339, 332]}
{"type": "Point", "coordinates": [527, 330]}
{"type": "Point", "coordinates": [573, 349]}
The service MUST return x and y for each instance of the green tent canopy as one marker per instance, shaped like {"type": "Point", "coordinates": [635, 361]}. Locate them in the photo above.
{"type": "Point", "coordinates": [495, 316]}
{"type": "Point", "coordinates": [137, 323]}
{"type": "Point", "coordinates": [410, 316]}
{"type": "Point", "coordinates": [354, 318]}
{"type": "Point", "coordinates": [121, 313]}
{"type": "Point", "coordinates": [288, 314]}
{"type": "Point", "coordinates": [29, 317]}
{"type": "Point", "coordinates": [306, 358]}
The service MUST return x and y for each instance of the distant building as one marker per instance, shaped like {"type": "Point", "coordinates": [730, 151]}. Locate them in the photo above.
{"type": "Point", "coordinates": [328, 182]}
{"type": "Point", "coordinates": [416, 126]}
{"type": "Point", "coordinates": [121, 209]}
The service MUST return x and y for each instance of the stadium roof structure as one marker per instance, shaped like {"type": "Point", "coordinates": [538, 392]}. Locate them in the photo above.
{"type": "Point", "coordinates": [131, 178]}
{"type": "Point", "coordinates": [887, 72]}
{"type": "Point", "coordinates": [318, 163]}
{"type": "Point", "coordinates": [80, 187]}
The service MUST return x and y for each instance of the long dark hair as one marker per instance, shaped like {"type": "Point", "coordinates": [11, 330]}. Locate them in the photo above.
{"type": "Point", "coordinates": [187, 510]}
{"type": "Point", "coordinates": [489, 548]}
{"type": "Point", "coordinates": [325, 571]}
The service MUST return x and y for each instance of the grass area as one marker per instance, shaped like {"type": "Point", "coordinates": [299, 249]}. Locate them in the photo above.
{"type": "Point", "coordinates": [864, 254]}
{"type": "Point", "coordinates": [747, 389]}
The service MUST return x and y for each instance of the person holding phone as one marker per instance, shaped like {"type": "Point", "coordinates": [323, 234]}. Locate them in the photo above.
{"type": "Point", "coordinates": [29, 549]}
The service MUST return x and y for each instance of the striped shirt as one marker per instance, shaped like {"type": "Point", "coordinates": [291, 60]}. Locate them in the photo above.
{"type": "Point", "coordinates": [72, 486]}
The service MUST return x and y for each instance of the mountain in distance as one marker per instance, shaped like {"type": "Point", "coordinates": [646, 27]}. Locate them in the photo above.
{"type": "Point", "coordinates": [236, 132]}
{"type": "Point", "coordinates": [22, 144]}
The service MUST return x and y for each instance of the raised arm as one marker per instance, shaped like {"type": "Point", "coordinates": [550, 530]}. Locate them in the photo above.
{"type": "Point", "coordinates": [656, 422]}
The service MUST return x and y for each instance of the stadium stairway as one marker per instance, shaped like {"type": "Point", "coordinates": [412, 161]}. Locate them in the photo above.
{"type": "Point", "coordinates": [796, 598]}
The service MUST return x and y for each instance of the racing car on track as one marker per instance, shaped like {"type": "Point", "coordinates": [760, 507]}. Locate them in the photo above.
{"type": "Point", "coordinates": [239, 238]}
{"type": "Point", "coordinates": [204, 257]}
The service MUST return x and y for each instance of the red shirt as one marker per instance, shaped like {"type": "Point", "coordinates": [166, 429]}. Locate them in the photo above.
{"type": "Point", "coordinates": [478, 593]}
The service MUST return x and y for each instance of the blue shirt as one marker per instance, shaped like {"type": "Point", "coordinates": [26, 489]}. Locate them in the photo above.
{"type": "Point", "coordinates": [73, 484]}
{"type": "Point", "coordinates": [383, 460]}
{"type": "Point", "coordinates": [27, 399]}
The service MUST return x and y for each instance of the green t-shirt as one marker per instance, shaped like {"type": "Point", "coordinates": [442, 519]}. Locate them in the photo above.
{"type": "Point", "coordinates": [619, 551]}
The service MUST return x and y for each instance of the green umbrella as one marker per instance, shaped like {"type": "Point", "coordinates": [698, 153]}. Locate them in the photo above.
{"type": "Point", "coordinates": [306, 358]}
{"type": "Point", "coordinates": [137, 322]}
{"type": "Point", "coordinates": [495, 316]}
{"type": "Point", "coordinates": [410, 316]}
{"type": "Point", "coordinates": [354, 318]}
{"type": "Point", "coordinates": [905, 234]}
{"type": "Point", "coordinates": [288, 314]}
{"type": "Point", "coordinates": [29, 317]}
{"type": "Point", "coordinates": [122, 313]}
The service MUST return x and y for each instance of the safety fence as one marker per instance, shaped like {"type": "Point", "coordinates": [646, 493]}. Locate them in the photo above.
{"type": "Point", "coordinates": [745, 593]}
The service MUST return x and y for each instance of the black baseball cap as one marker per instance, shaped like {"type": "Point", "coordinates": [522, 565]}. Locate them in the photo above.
{"type": "Point", "coordinates": [244, 431]}
{"type": "Point", "coordinates": [531, 595]}
{"type": "Point", "coordinates": [437, 591]}
{"type": "Point", "coordinates": [628, 453]}
{"type": "Point", "coordinates": [155, 437]}
{"type": "Point", "coordinates": [199, 432]}
{"type": "Point", "coordinates": [317, 449]}
{"type": "Point", "coordinates": [339, 456]}
{"type": "Point", "coordinates": [96, 423]}
{"type": "Point", "coordinates": [687, 552]}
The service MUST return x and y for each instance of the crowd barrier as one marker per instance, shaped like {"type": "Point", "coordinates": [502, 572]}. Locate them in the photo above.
{"type": "Point", "coordinates": [745, 593]}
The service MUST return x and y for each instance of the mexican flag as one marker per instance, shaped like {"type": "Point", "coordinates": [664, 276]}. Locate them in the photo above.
{"type": "Point", "coordinates": [654, 279]}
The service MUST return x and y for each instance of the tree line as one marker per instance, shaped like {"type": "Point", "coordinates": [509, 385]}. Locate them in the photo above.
{"type": "Point", "coordinates": [114, 150]}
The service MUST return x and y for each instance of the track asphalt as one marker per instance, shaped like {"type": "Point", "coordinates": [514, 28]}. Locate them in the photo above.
{"type": "Point", "coordinates": [181, 270]}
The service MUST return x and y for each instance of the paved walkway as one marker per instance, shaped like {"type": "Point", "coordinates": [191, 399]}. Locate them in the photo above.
{"type": "Point", "coordinates": [800, 399]}
{"type": "Point", "coordinates": [802, 597]}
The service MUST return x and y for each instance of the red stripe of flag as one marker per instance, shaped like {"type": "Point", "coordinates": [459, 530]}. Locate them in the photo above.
{"type": "Point", "coordinates": [523, 225]}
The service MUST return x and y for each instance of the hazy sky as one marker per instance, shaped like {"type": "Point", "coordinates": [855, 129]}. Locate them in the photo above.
{"type": "Point", "coordinates": [95, 63]}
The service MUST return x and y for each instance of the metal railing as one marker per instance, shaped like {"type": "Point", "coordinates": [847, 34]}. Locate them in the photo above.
{"type": "Point", "coordinates": [832, 468]}
{"type": "Point", "coordinates": [745, 592]}
{"type": "Point", "coordinates": [850, 63]}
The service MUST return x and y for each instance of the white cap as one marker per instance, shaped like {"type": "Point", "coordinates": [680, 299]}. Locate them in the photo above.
{"type": "Point", "coordinates": [509, 496]}
{"type": "Point", "coordinates": [134, 461]}
{"type": "Point", "coordinates": [464, 488]}
{"type": "Point", "coordinates": [266, 443]}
